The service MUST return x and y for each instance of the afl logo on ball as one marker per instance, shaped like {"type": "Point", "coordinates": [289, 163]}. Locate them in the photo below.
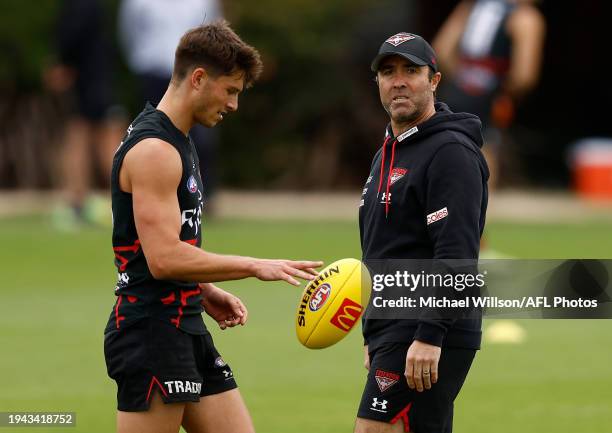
{"type": "Point", "coordinates": [192, 185]}
{"type": "Point", "coordinates": [319, 297]}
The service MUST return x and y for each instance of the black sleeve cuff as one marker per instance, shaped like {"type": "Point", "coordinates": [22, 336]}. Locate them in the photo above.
{"type": "Point", "coordinates": [430, 333]}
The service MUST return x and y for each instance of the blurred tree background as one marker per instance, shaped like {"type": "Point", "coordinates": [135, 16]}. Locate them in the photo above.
{"type": "Point", "coordinates": [284, 118]}
{"type": "Point", "coordinates": [269, 140]}
{"type": "Point", "coordinates": [314, 120]}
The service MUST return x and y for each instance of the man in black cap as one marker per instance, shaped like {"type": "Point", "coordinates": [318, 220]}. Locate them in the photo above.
{"type": "Point", "coordinates": [425, 199]}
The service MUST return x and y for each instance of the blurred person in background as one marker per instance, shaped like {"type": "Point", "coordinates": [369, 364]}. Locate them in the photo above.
{"type": "Point", "coordinates": [149, 31]}
{"type": "Point", "coordinates": [490, 52]}
{"type": "Point", "coordinates": [82, 76]}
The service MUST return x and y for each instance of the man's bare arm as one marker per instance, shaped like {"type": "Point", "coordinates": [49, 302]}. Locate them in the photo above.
{"type": "Point", "coordinates": [151, 172]}
{"type": "Point", "coordinates": [527, 29]}
{"type": "Point", "coordinates": [447, 40]}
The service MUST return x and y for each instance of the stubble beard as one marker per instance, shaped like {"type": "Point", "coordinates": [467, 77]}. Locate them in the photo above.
{"type": "Point", "coordinates": [410, 115]}
{"type": "Point", "coordinates": [405, 116]}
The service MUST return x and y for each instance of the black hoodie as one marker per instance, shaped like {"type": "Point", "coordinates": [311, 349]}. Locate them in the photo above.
{"type": "Point", "coordinates": [431, 205]}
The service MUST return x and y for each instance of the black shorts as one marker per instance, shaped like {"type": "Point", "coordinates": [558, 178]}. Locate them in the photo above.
{"type": "Point", "coordinates": [387, 397]}
{"type": "Point", "coordinates": [151, 356]}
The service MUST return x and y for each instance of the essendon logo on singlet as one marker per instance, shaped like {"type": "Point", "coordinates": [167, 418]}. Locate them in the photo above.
{"type": "Point", "coordinates": [347, 315]}
{"type": "Point", "coordinates": [192, 185]}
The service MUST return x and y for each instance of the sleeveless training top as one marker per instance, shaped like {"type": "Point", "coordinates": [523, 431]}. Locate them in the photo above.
{"type": "Point", "coordinates": [484, 59]}
{"type": "Point", "coordinates": [139, 295]}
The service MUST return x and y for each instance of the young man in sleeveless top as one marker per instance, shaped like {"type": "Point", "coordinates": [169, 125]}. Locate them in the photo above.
{"type": "Point", "coordinates": [157, 347]}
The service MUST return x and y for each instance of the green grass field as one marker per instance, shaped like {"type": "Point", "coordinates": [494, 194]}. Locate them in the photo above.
{"type": "Point", "coordinates": [57, 291]}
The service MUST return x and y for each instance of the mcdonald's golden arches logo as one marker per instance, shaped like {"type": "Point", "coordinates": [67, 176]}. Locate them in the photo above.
{"type": "Point", "coordinates": [347, 315]}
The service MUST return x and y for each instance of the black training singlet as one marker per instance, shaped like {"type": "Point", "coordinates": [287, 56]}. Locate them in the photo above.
{"type": "Point", "coordinates": [139, 295]}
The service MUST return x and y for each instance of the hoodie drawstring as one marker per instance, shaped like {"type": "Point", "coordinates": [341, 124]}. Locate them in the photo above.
{"type": "Point", "coordinates": [382, 166]}
{"type": "Point", "coordinates": [382, 171]}
{"type": "Point", "coordinates": [389, 178]}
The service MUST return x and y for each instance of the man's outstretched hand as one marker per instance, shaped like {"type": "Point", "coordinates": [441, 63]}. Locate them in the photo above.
{"type": "Point", "coordinates": [285, 270]}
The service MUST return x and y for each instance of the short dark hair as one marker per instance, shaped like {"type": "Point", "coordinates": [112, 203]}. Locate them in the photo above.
{"type": "Point", "coordinates": [430, 73]}
{"type": "Point", "coordinates": [218, 49]}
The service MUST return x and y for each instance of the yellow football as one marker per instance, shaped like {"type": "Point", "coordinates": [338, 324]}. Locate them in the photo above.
{"type": "Point", "coordinates": [332, 304]}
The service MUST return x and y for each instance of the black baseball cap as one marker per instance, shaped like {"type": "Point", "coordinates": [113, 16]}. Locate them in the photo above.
{"type": "Point", "coordinates": [409, 46]}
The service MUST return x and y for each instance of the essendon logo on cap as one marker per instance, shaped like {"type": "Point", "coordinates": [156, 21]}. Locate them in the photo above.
{"type": "Point", "coordinates": [437, 215]}
{"type": "Point", "coordinates": [400, 38]}
{"type": "Point", "coordinates": [347, 315]}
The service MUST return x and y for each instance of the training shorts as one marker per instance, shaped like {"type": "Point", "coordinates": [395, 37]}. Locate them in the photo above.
{"type": "Point", "coordinates": [151, 356]}
{"type": "Point", "coordinates": [387, 398]}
